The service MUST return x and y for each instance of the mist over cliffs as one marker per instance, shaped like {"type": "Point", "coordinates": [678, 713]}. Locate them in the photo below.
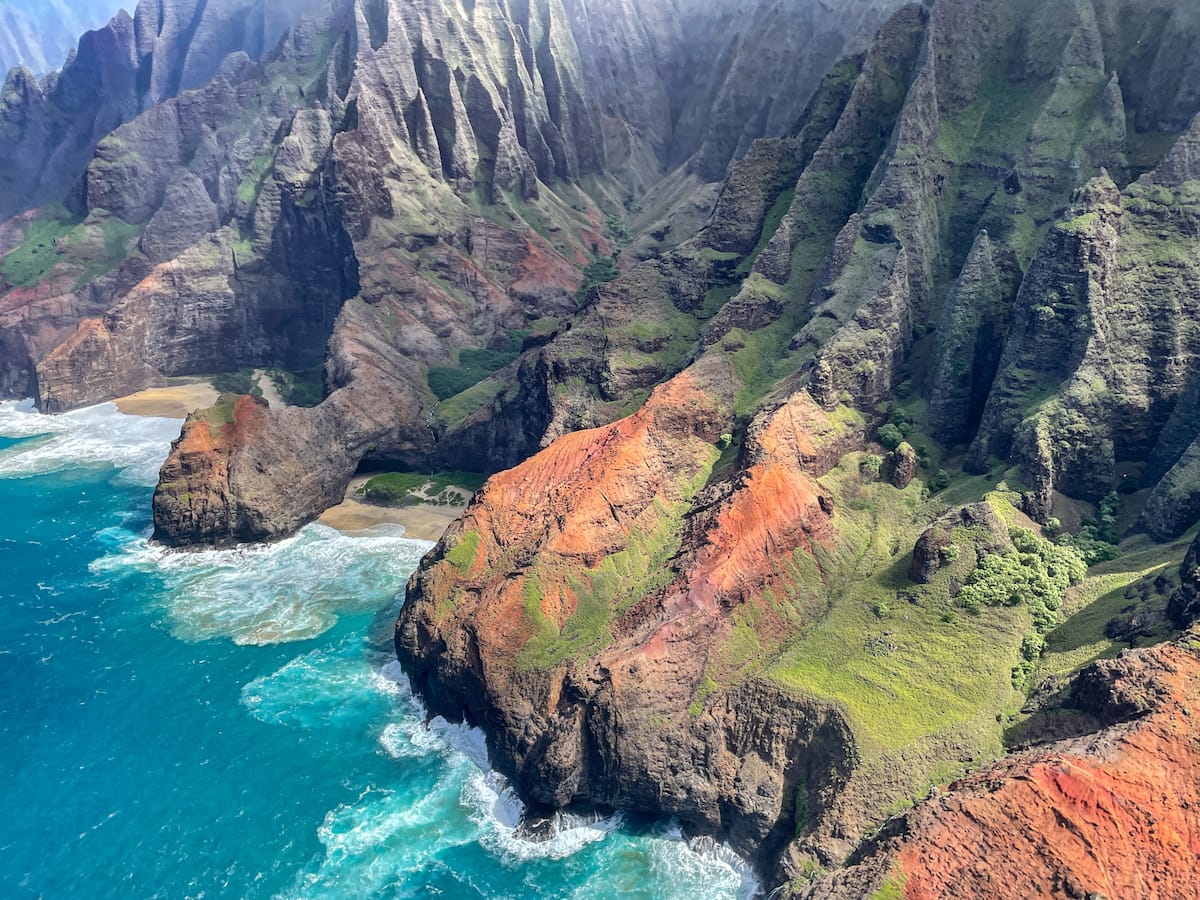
{"type": "Point", "coordinates": [836, 370]}
{"type": "Point", "coordinates": [40, 35]}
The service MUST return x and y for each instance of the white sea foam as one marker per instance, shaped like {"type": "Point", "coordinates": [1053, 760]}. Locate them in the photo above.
{"type": "Point", "coordinates": [296, 589]}
{"type": "Point", "coordinates": [98, 436]}
{"type": "Point", "coordinates": [372, 843]}
{"type": "Point", "coordinates": [496, 810]}
{"type": "Point", "coordinates": [394, 833]}
{"type": "Point", "coordinates": [274, 593]}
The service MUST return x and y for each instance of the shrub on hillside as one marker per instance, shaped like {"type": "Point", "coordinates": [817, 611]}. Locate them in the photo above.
{"type": "Point", "coordinates": [890, 436]}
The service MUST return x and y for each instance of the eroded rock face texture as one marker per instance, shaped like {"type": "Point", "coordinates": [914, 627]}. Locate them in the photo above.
{"type": "Point", "coordinates": [392, 182]}
{"type": "Point", "coordinates": [964, 210]}
{"type": "Point", "coordinates": [513, 625]}
{"type": "Point", "coordinates": [50, 126]}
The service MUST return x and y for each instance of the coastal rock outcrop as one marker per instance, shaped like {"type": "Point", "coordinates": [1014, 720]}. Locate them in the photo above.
{"type": "Point", "coordinates": [608, 610]}
{"type": "Point", "coordinates": [692, 584]}
{"type": "Point", "coordinates": [229, 452]}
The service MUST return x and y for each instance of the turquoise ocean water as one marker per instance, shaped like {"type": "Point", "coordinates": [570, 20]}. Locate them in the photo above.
{"type": "Point", "coordinates": [233, 724]}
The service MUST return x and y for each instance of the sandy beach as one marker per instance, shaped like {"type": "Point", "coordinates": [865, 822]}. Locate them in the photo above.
{"type": "Point", "coordinates": [172, 402]}
{"type": "Point", "coordinates": [424, 522]}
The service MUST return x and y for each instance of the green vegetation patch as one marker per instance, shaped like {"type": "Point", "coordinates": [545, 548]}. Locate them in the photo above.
{"type": "Point", "coordinates": [303, 388]}
{"type": "Point", "coordinates": [892, 888]}
{"type": "Point", "coordinates": [410, 488]}
{"type": "Point", "coordinates": [1090, 606]}
{"type": "Point", "coordinates": [455, 410]}
{"type": "Point", "coordinates": [251, 186]}
{"type": "Point", "coordinates": [240, 382]}
{"type": "Point", "coordinates": [1035, 574]}
{"type": "Point", "coordinates": [28, 263]}
{"type": "Point", "coordinates": [56, 238]}
{"type": "Point", "coordinates": [220, 413]}
{"type": "Point", "coordinates": [1097, 540]}
{"type": "Point", "coordinates": [115, 237]}
{"type": "Point", "coordinates": [612, 587]}
{"type": "Point", "coordinates": [474, 364]}
{"type": "Point", "coordinates": [462, 557]}
{"type": "Point", "coordinates": [599, 271]}
{"type": "Point", "coordinates": [883, 650]}
{"type": "Point", "coordinates": [770, 225]}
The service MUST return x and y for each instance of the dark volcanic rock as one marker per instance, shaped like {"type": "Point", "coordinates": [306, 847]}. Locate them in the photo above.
{"type": "Point", "coordinates": [902, 465]}
{"type": "Point", "coordinates": [1183, 608]}
{"type": "Point", "coordinates": [237, 450]}
{"type": "Point", "coordinates": [989, 534]}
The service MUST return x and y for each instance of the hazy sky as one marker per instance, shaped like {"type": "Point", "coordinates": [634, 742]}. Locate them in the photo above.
{"type": "Point", "coordinates": [39, 33]}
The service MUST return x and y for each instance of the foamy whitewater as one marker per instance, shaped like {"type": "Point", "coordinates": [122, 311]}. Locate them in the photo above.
{"type": "Point", "coordinates": [234, 724]}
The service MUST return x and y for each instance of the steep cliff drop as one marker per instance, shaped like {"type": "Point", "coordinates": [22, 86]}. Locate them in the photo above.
{"type": "Point", "coordinates": [387, 188]}
{"type": "Point", "coordinates": [793, 514]}
{"type": "Point", "coordinates": [598, 618]}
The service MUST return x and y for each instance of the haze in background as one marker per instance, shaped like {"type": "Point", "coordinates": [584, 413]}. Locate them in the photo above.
{"type": "Point", "coordinates": [38, 34]}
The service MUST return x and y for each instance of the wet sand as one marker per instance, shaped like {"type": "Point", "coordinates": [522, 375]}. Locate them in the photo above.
{"type": "Point", "coordinates": [173, 402]}
{"type": "Point", "coordinates": [424, 522]}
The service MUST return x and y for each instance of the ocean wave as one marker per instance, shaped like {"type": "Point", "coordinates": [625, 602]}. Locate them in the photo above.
{"type": "Point", "coordinates": [397, 836]}
{"type": "Point", "coordinates": [96, 437]}
{"type": "Point", "coordinates": [682, 865]}
{"type": "Point", "coordinates": [291, 590]}
{"type": "Point", "coordinates": [496, 810]}
{"type": "Point", "coordinates": [315, 690]}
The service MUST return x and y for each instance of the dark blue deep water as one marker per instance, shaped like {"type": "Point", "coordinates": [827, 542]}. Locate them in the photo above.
{"type": "Point", "coordinates": [231, 723]}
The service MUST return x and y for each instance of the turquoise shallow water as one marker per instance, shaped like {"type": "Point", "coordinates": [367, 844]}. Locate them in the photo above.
{"type": "Point", "coordinates": [232, 724]}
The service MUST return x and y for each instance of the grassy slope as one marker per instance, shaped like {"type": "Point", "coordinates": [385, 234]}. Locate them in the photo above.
{"type": "Point", "coordinates": [1090, 606]}
{"type": "Point", "coordinates": [57, 242]}
{"type": "Point", "coordinates": [898, 669]}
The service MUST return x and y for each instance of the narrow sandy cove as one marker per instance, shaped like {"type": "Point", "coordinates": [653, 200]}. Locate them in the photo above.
{"type": "Point", "coordinates": [424, 522]}
{"type": "Point", "coordinates": [172, 402]}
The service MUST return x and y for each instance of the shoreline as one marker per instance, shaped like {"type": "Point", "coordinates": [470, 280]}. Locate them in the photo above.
{"type": "Point", "coordinates": [421, 521]}
{"type": "Point", "coordinates": [174, 401]}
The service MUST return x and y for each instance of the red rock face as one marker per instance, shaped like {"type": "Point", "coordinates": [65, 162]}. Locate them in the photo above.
{"type": "Point", "coordinates": [232, 454]}
{"type": "Point", "coordinates": [192, 495]}
{"type": "Point", "coordinates": [627, 714]}
{"type": "Point", "coordinates": [1112, 814]}
{"type": "Point", "coordinates": [598, 486]}
{"type": "Point", "coordinates": [775, 507]}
